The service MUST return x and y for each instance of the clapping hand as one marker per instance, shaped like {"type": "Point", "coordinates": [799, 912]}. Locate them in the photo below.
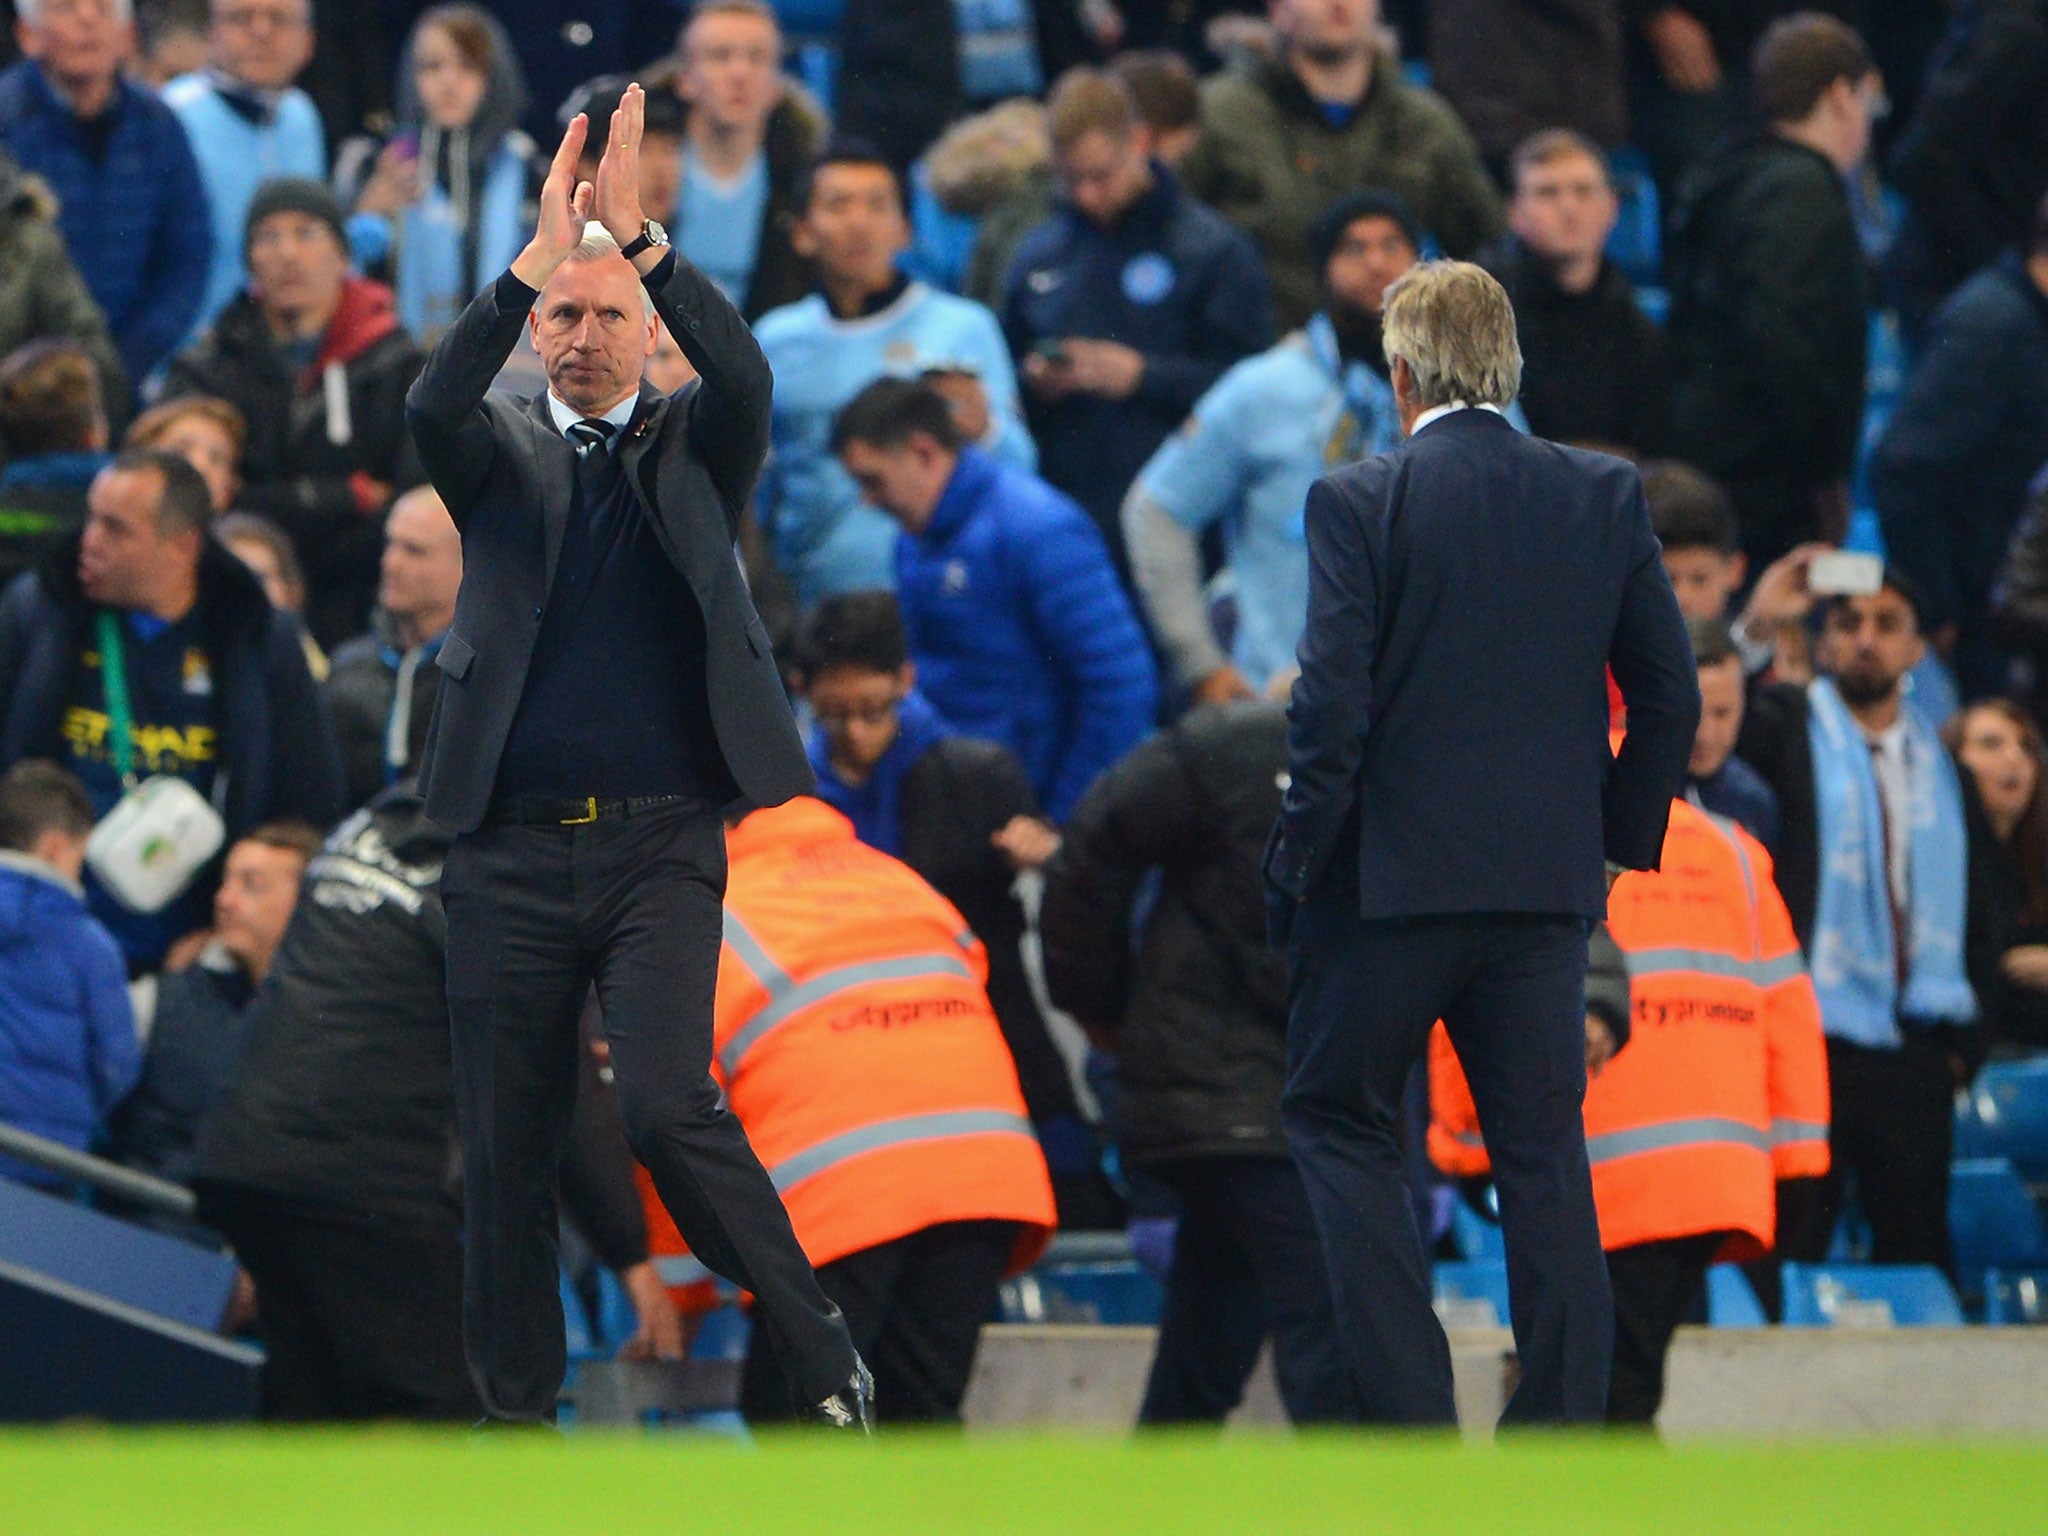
{"type": "Point", "coordinates": [618, 173]}
{"type": "Point", "coordinates": [564, 209]}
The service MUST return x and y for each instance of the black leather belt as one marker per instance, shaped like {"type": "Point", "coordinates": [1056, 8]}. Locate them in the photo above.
{"type": "Point", "coordinates": [532, 811]}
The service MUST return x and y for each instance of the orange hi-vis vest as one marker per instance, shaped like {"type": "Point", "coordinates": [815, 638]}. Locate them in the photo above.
{"type": "Point", "coordinates": [1723, 1088]}
{"type": "Point", "coordinates": [857, 1046]}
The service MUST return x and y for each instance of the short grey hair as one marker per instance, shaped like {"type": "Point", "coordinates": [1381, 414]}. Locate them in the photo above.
{"type": "Point", "coordinates": [597, 243]}
{"type": "Point", "coordinates": [1451, 322]}
{"type": "Point", "coordinates": [31, 11]}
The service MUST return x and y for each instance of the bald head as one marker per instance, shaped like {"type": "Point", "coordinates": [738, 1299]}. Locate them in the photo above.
{"type": "Point", "coordinates": [422, 568]}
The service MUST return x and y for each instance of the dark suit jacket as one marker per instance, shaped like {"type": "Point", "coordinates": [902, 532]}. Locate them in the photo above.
{"type": "Point", "coordinates": [1775, 743]}
{"type": "Point", "coordinates": [1467, 592]}
{"type": "Point", "coordinates": [508, 477]}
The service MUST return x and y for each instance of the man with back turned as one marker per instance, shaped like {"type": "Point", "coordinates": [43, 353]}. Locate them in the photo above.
{"type": "Point", "coordinates": [606, 687]}
{"type": "Point", "coordinates": [1439, 850]}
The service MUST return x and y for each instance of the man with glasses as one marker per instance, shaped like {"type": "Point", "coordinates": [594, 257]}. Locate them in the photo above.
{"type": "Point", "coordinates": [247, 122]}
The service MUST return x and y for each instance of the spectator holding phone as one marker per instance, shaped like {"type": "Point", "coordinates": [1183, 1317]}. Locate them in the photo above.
{"type": "Point", "coordinates": [443, 204]}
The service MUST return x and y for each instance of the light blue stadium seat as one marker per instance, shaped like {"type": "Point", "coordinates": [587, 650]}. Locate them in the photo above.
{"type": "Point", "coordinates": [1468, 1290]}
{"type": "Point", "coordinates": [583, 1343]}
{"type": "Point", "coordinates": [1477, 1237]}
{"type": "Point", "coordinates": [1636, 244]}
{"type": "Point", "coordinates": [1731, 1302]}
{"type": "Point", "coordinates": [2005, 1114]}
{"type": "Point", "coordinates": [2015, 1296]}
{"type": "Point", "coordinates": [1992, 1218]}
{"type": "Point", "coordinates": [1869, 1296]}
{"type": "Point", "coordinates": [1114, 1292]}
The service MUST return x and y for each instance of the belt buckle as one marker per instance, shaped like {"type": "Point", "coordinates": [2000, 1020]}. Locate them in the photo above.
{"type": "Point", "coordinates": [590, 814]}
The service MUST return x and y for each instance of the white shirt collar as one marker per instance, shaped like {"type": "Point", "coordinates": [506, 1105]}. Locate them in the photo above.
{"type": "Point", "coordinates": [1439, 412]}
{"type": "Point", "coordinates": [566, 416]}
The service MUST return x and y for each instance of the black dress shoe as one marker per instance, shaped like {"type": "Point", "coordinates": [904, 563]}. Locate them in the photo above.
{"type": "Point", "coordinates": [853, 1405]}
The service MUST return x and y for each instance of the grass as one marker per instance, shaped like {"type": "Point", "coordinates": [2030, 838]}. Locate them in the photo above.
{"type": "Point", "coordinates": [371, 1482]}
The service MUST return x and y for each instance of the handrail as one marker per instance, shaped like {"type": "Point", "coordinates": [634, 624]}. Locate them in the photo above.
{"type": "Point", "coordinates": [154, 1194]}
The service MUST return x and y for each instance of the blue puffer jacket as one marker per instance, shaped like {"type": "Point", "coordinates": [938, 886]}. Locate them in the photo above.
{"type": "Point", "coordinates": [136, 222]}
{"type": "Point", "coordinates": [68, 1050]}
{"type": "Point", "coordinates": [1021, 633]}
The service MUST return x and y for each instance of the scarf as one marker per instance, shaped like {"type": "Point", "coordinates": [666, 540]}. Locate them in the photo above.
{"type": "Point", "coordinates": [876, 807]}
{"type": "Point", "coordinates": [443, 254]}
{"type": "Point", "coordinates": [1855, 970]}
{"type": "Point", "coordinates": [1371, 423]}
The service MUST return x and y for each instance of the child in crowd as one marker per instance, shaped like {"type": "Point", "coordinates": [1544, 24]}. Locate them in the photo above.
{"type": "Point", "coordinates": [68, 1050]}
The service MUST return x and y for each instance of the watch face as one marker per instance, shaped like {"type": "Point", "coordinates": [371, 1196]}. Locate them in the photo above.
{"type": "Point", "coordinates": [653, 233]}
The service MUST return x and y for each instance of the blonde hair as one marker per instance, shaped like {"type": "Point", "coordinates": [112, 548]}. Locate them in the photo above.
{"type": "Point", "coordinates": [597, 243]}
{"type": "Point", "coordinates": [1454, 327]}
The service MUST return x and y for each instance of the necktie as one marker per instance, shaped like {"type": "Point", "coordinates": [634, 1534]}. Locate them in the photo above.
{"type": "Point", "coordinates": [592, 440]}
{"type": "Point", "coordinates": [1901, 930]}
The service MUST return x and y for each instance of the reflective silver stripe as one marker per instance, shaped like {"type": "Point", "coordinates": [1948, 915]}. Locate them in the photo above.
{"type": "Point", "coordinates": [1785, 1133]}
{"type": "Point", "coordinates": [941, 1126]}
{"type": "Point", "coordinates": [787, 996]}
{"type": "Point", "coordinates": [1706, 1130]}
{"type": "Point", "coordinates": [1706, 962]}
{"type": "Point", "coordinates": [754, 955]}
{"type": "Point", "coordinates": [1769, 973]}
{"type": "Point", "coordinates": [1470, 1139]}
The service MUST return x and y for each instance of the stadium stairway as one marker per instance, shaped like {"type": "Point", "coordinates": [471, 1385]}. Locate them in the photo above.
{"type": "Point", "coordinates": [105, 1319]}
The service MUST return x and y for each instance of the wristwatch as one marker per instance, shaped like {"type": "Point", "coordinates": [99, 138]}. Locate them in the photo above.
{"type": "Point", "coordinates": [651, 235]}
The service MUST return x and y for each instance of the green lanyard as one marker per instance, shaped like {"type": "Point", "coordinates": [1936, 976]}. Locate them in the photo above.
{"type": "Point", "coordinates": [114, 683]}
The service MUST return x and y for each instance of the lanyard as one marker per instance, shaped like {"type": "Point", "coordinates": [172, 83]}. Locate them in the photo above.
{"type": "Point", "coordinates": [114, 683]}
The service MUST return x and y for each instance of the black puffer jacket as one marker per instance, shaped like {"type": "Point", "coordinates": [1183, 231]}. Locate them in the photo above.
{"type": "Point", "coordinates": [308, 437]}
{"type": "Point", "coordinates": [343, 1097]}
{"type": "Point", "coordinates": [1200, 1012]}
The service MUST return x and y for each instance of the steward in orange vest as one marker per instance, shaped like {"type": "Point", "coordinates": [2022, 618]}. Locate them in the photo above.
{"type": "Point", "coordinates": [1721, 1092]}
{"type": "Point", "coordinates": [857, 1045]}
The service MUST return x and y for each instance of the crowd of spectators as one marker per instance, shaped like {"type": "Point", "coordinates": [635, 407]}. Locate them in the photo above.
{"type": "Point", "coordinates": [1067, 306]}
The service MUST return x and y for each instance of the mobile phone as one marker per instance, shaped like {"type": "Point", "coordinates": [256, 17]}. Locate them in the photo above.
{"type": "Point", "coordinates": [1052, 349]}
{"type": "Point", "coordinates": [1845, 573]}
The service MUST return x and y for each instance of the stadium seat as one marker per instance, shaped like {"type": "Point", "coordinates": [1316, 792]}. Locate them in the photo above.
{"type": "Point", "coordinates": [1472, 1293]}
{"type": "Point", "coordinates": [1992, 1219]}
{"type": "Point", "coordinates": [1477, 1238]}
{"type": "Point", "coordinates": [1636, 244]}
{"type": "Point", "coordinates": [2005, 1114]}
{"type": "Point", "coordinates": [1869, 1296]}
{"type": "Point", "coordinates": [576, 1322]}
{"type": "Point", "coordinates": [2015, 1296]}
{"type": "Point", "coordinates": [1085, 1277]}
{"type": "Point", "coordinates": [1731, 1302]}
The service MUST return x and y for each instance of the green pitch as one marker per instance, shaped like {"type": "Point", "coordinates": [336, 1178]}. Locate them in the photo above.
{"type": "Point", "coordinates": [390, 1483]}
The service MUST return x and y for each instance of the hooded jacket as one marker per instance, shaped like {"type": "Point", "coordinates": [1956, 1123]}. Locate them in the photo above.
{"type": "Point", "coordinates": [314, 438]}
{"type": "Point", "coordinates": [473, 214]}
{"type": "Point", "coordinates": [1199, 1003]}
{"type": "Point", "coordinates": [41, 292]}
{"type": "Point", "coordinates": [361, 688]}
{"type": "Point", "coordinates": [277, 752]}
{"type": "Point", "coordinates": [68, 1051]}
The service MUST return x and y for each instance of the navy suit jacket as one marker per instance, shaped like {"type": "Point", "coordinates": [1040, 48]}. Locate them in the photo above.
{"type": "Point", "coordinates": [508, 477]}
{"type": "Point", "coordinates": [1467, 593]}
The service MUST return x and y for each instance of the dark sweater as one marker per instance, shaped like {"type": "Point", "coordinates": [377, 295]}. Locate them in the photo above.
{"type": "Point", "coordinates": [614, 702]}
{"type": "Point", "coordinates": [1594, 368]}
